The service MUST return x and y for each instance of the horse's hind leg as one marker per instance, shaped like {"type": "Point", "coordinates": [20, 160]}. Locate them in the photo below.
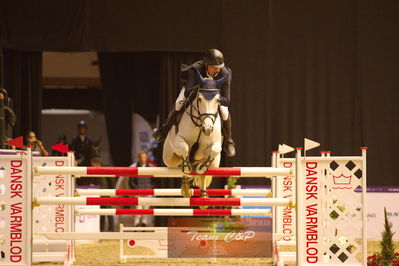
{"type": "Point", "coordinates": [203, 186]}
{"type": "Point", "coordinates": [205, 182]}
{"type": "Point", "coordinates": [186, 187]}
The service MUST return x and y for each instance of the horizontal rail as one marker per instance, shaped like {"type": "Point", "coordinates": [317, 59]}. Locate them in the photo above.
{"type": "Point", "coordinates": [45, 242]}
{"type": "Point", "coordinates": [172, 192]}
{"type": "Point", "coordinates": [104, 201]}
{"type": "Point", "coordinates": [103, 235]}
{"type": "Point", "coordinates": [176, 212]}
{"type": "Point", "coordinates": [162, 171]}
{"type": "Point", "coordinates": [162, 235]}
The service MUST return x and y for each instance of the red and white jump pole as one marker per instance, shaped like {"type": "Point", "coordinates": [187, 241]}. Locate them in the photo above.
{"type": "Point", "coordinates": [172, 192]}
{"type": "Point", "coordinates": [176, 212]}
{"type": "Point", "coordinates": [162, 171]}
{"type": "Point", "coordinates": [162, 201]}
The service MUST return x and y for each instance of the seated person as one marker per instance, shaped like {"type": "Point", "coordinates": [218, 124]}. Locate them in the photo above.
{"type": "Point", "coordinates": [35, 144]}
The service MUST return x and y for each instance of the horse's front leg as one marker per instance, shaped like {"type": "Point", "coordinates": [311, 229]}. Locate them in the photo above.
{"type": "Point", "coordinates": [214, 151]}
{"type": "Point", "coordinates": [181, 149]}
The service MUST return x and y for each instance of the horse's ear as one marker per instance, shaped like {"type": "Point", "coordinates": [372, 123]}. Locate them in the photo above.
{"type": "Point", "coordinates": [220, 81]}
{"type": "Point", "coordinates": [202, 80]}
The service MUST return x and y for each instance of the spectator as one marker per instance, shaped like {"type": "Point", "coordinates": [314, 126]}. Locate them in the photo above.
{"type": "Point", "coordinates": [82, 145]}
{"type": "Point", "coordinates": [35, 144]}
{"type": "Point", "coordinates": [142, 183]}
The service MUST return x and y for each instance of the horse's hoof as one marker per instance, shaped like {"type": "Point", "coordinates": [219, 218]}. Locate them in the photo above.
{"type": "Point", "coordinates": [204, 195]}
{"type": "Point", "coordinates": [201, 168]}
{"type": "Point", "coordinates": [186, 188]}
{"type": "Point", "coordinates": [186, 192]}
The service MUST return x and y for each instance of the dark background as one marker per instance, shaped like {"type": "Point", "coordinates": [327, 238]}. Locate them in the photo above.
{"type": "Point", "coordinates": [326, 70]}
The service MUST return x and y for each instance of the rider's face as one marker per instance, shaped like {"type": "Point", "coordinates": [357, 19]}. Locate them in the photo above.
{"type": "Point", "coordinates": [82, 130]}
{"type": "Point", "coordinates": [212, 71]}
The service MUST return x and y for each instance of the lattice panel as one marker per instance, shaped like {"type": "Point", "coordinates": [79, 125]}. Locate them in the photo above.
{"type": "Point", "coordinates": [343, 219]}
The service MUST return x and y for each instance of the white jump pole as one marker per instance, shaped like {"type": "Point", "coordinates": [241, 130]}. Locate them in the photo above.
{"type": "Point", "coordinates": [172, 192]}
{"type": "Point", "coordinates": [162, 201]}
{"type": "Point", "coordinates": [102, 235]}
{"type": "Point", "coordinates": [299, 201]}
{"type": "Point", "coordinates": [364, 204]}
{"type": "Point", "coordinates": [176, 212]}
{"type": "Point", "coordinates": [163, 171]}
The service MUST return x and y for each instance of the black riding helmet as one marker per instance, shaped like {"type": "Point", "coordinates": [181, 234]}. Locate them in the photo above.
{"type": "Point", "coordinates": [82, 124]}
{"type": "Point", "coordinates": [214, 57]}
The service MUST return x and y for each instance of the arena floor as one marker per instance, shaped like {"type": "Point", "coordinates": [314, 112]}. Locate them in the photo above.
{"type": "Point", "coordinates": [106, 253]}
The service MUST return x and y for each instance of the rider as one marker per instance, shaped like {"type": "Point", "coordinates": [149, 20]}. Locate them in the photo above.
{"type": "Point", "coordinates": [211, 67]}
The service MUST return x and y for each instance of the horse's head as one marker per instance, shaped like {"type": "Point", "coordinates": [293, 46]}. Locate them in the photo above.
{"type": "Point", "coordinates": [208, 101]}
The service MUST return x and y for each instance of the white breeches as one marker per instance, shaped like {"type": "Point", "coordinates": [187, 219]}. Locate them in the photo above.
{"type": "Point", "coordinates": [180, 100]}
{"type": "Point", "coordinates": [224, 110]}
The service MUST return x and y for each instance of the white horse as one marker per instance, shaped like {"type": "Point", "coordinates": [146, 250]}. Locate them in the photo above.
{"type": "Point", "coordinates": [195, 144]}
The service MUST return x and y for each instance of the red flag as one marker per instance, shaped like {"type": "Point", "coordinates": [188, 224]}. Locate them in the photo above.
{"type": "Point", "coordinates": [61, 147]}
{"type": "Point", "coordinates": [17, 142]}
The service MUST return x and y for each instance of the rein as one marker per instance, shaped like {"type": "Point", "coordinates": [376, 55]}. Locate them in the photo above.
{"type": "Point", "coordinates": [199, 118]}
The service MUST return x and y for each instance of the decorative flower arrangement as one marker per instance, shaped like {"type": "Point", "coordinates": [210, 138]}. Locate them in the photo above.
{"type": "Point", "coordinates": [376, 260]}
{"type": "Point", "coordinates": [387, 256]}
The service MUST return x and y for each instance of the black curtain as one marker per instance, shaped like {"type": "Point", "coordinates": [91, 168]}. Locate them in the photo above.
{"type": "Point", "coordinates": [170, 82]}
{"type": "Point", "coordinates": [23, 81]}
{"type": "Point", "coordinates": [378, 72]}
{"type": "Point", "coordinates": [118, 85]}
{"type": "Point", "coordinates": [122, 76]}
{"type": "Point", "coordinates": [326, 70]}
{"type": "Point", "coordinates": [146, 83]}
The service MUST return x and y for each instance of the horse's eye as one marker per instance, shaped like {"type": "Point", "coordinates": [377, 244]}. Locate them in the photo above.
{"type": "Point", "coordinates": [199, 100]}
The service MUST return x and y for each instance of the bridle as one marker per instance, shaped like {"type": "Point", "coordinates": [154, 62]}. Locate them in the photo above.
{"type": "Point", "coordinates": [198, 118]}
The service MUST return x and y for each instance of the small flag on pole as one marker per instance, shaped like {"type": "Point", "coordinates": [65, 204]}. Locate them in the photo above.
{"type": "Point", "coordinates": [280, 148]}
{"type": "Point", "coordinates": [60, 147]}
{"type": "Point", "coordinates": [310, 144]}
{"type": "Point", "coordinates": [283, 149]}
{"type": "Point", "coordinates": [17, 142]}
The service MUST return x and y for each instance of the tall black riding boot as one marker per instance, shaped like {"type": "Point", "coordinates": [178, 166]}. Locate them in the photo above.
{"type": "Point", "coordinates": [228, 143]}
{"type": "Point", "coordinates": [161, 133]}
